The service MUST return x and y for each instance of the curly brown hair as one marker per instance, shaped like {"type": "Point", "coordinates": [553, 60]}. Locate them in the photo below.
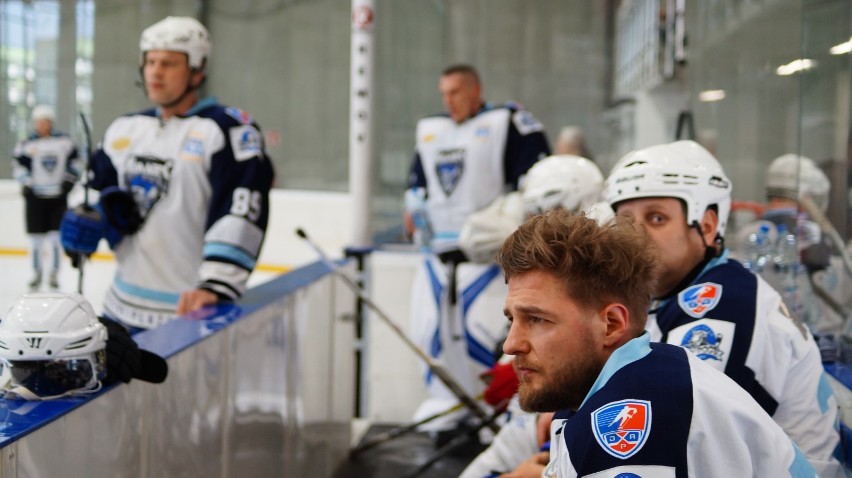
{"type": "Point", "coordinates": [599, 264]}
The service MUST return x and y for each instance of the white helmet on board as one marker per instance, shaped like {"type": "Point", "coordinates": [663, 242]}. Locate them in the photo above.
{"type": "Point", "coordinates": [43, 112]}
{"type": "Point", "coordinates": [485, 230]}
{"type": "Point", "coordinates": [566, 181]}
{"type": "Point", "coordinates": [683, 170]}
{"type": "Point", "coordinates": [183, 34]}
{"type": "Point", "coordinates": [53, 345]}
{"type": "Point", "coordinates": [793, 176]}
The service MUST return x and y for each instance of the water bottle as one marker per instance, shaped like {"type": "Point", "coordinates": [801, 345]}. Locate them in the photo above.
{"type": "Point", "coordinates": [415, 204]}
{"type": "Point", "coordinates": [757, 249]}
{"type": "Point", "coordinates": [786, 256]}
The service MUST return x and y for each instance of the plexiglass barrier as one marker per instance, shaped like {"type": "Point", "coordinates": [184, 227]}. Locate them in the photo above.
{"type": "Point", "coordinates": [262, 387]}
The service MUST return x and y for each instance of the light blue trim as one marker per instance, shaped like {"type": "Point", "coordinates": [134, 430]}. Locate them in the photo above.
{"type": "Point", "coordinates": [628, 353]}
{"type": "Point", "coordinates": [801, 468]}
{"type": "Point", "coordinates": [446, 235]}
{"type": "Point", "coordinates": [824, 393]}
{"type": "Point", "coordinates": [233, 254]}
{"type": "Point", "coordinates": [716, 261]}
{"type": "Point", "coordinates": [147, 294]}
{"type": "Point", "coordinates": [200, 105]}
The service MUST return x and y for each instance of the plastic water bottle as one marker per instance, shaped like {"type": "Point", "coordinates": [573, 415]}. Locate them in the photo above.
{"type": "Point", "coordinates": [757, 249]}
{"type": "Point", "coordinates": [786, 256]}
{"type": "Point", "coordinates": [415, 204]}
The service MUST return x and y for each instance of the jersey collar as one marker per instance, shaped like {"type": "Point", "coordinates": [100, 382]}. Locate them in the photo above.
{"type": "Point", "coordinates": [628, 353]}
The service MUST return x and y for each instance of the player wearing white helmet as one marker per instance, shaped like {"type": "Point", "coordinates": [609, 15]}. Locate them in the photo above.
{"type": "Point", "coordinates": [47, 166]}
{"type": "Point", "coordinates": [715, 307]}
{"type": "Point", "coordinates": [184, 189]}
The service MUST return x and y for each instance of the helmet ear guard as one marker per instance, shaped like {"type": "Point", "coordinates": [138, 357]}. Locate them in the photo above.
{"type": "Point", "coordinates": [682, 170]}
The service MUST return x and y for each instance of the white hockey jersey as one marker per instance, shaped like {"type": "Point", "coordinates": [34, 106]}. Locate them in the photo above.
{"type": "Point", "coordinates": [734, 321]}
{"type": "Point", "coordinates": [695, 422]}
{"type": "Point", "coordinates": [201, 182]}
{"type": "Point", "coordinates": [44, 163]}
{"type": "Point", "coordinates": [464, 167]}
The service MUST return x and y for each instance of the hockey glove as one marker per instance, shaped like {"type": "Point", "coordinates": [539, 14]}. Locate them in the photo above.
{"type": "Point", "coordinates": [28, 192]}
{"type": "Point", "coordinates": [502, 384]}
{"type": "Point", "coordinates": [67, 186]}
{"type": "Point", "coordinates": [126, 361]}
{"type": "Point", "coordinates": [120, 210]}
{"type": "Point", "coordinates": [81, 230]}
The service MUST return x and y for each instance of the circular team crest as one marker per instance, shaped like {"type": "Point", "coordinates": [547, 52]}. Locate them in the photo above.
{"type": "Point", "coordinates": [622, 427]}
{"type": "Point", "coordinates": [702, 341]}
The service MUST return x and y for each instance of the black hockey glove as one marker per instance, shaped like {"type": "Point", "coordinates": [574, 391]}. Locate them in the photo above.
{"type": "Point", "coordinates": [67, 186]}
{"type": "Point", "coordinates": [126, 361]}
{"type": "Point", "coordinates": [121, 210]}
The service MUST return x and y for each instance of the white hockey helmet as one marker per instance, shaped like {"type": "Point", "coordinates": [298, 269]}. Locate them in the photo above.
{"type": "Point", "coordinates": [485, 230]}
{"type": "Point", "coordinates": [683, 170]}
{"type": "Point", "coordinates": [43, 112]}
{"type": "Point", "coordinates": [566, 181]}
{"type": "Point", "coordinates": [793, 176]}
{"type": "Point", "coordinates": [183, 34]}
{"type": "Point", "coordinates": [53, 345]}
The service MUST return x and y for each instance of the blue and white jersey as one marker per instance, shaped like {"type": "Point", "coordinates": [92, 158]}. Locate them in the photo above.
{"type": "Point", "coordinates": [464, 167]}
{"type": "Point", "coordinates": [201, 182]}
{"type": "Point", "coordinates": [735, 322]}
{"type": "Point", "coordinates": [696, 422]}
{"type": "Point", "coordinates": [44, 163]}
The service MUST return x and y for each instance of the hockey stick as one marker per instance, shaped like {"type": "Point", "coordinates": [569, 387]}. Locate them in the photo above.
{"type": "Point", "coordinates": [436, 368]}
{"type": "Point", "coordinates": [402, 430]}
{"type": "Point", "coordinates": [81, 258]}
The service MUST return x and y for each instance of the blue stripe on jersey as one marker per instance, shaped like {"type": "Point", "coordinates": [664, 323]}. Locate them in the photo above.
{"type": "Point", "coordinates": [824, 393]}
{"type": "Point", "coordinates": [475, 349]}
{"type": "Point", "coordinates": [232, 254]}
{"type": "Point", "coordinates": [435, 345]}
{"type": "Point", "coordinates": [800, 468]}
{"type": "Point", "coordinates": [628, 353]}
{"type": "Point", "coordinates": [147, 294]}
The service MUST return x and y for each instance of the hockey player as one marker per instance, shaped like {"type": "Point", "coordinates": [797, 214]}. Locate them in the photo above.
{"type": "Point", "coordinates": [464, 160]}
{"type": "Point", "coordinates": [567, 182]}
{"type": "Point", "coordinates": [802, 259]}
{"type": "Point", "coordinates": [715, 307]}
{"type": "Point", "coordinates": [184, 189]}
{"type": "Point", "coordinates": [47, 166]}
{"type": "Point", "coordinates": [577, 301]}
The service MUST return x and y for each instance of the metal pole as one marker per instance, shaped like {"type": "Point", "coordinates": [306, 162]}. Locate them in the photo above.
{"type": "Point", "coordinates": [361, 119]}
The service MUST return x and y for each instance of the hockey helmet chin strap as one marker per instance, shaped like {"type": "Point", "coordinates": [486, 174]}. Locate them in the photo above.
{"type": "Point", "coordinates": [710, 251]}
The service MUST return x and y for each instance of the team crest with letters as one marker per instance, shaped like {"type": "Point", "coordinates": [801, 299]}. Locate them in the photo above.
{"type": "Point", "coordinates": [699, 299]}
{"type": "Point", "coordinates": [148, 181]}
{"type": "Point", "coordinates": [449, 168]}
{"type": "Point", "coordinates": [622, 427]}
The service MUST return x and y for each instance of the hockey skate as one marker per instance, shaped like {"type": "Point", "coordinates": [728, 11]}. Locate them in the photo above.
{"type": "Point", "coordinates": [53, 281]}
{"type": "Point", "coordinates": [36, 281]}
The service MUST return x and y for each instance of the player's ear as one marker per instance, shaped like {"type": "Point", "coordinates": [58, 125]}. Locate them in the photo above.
{"type": "Point", "coordinates": [616, 319]}
{"type": "Point", "coordinates": [709, 223]}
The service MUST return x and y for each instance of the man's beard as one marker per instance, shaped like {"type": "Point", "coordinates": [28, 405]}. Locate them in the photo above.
{"type": "Point", "coordinates": [566, 387]}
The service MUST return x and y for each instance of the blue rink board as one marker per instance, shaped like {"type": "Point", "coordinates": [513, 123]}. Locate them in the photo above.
{"type": "Point", "coordinates": [21, 417]}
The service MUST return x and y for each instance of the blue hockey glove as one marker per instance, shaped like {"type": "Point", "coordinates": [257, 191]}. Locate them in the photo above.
{"type": "Point", "coordinates": [81, 230]}
{"type": "Point", "coordinates": [120, 210]}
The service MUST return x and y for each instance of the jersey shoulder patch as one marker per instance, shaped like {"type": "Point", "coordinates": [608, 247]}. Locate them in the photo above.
{"type": "Point", "coordinates": [710, 340]}
{"type": "Point", "coordinates": [245, 142]}
{"type": "Point", "coordinates": [622, 427]}
{"type": "Point", "coordinates": [698, 299]}
{"type": "Point", "coordinates": [526, 123]}
{"type": "Point", "coordinates": [242, 117]}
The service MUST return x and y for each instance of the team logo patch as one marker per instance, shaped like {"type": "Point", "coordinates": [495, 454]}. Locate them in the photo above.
{"type": "Point", "coordinates": [148, 179]}
{"type": "Point", "coordinates": [246, 142]}
{"type": "Point", "coordinates": [699, 299]}
{"type": "Point", "coordinates": [622, 427]}
{"type": "Point", "coordinates": [449, 168]}
{"type": "Point", "coordinates": [428, 138]}
{"type": "Point", "coordinates": [192, 149]}
{"type": "Point", "coordinates": [703, 342]}
{"type": "Point", "coordinates": [482, 132]}
{"type": "Point", "coordinates": [239, 115]}
{"type": "Point", "coordinates": [49, 162]}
